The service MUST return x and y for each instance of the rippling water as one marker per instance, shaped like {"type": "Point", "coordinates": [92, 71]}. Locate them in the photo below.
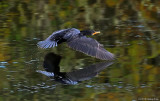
{"type": "Point", "coordinates": [129, 29]}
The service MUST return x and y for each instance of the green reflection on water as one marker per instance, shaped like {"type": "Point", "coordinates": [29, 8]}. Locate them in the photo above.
{"type": "Point", "coordinates": [130, 29]}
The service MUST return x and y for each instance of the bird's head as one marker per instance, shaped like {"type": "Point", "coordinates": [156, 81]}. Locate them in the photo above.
{"type": "Point", "coordinates": [89, 32]}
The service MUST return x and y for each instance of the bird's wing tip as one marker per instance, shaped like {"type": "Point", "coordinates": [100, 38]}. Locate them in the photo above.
{"type": "Point", "coordinates": [45, 73]}
{"type": "Point", "coordinates": [46, 44]}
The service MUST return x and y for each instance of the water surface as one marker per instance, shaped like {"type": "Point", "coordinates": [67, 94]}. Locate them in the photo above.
{"type": "Point", "coordinates": [129, 28]}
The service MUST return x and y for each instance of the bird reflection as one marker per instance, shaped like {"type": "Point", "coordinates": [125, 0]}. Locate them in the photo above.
{"type": "Point", "coordinates": [52, 70]}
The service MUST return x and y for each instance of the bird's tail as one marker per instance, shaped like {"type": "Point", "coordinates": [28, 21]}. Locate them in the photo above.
{"type": "Point", "coordinates": [46, 44]}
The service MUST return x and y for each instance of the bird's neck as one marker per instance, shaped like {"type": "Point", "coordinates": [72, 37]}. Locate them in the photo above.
{"type": "Point", "coordinates": [84, 33]}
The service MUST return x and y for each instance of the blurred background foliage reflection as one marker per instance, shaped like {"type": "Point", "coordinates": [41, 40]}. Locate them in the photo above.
{"type": "Point", "coordinates": [129, 28]}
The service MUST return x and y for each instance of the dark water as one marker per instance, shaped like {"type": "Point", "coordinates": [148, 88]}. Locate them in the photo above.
{"type": "Point", "coordinates": [129, 28]}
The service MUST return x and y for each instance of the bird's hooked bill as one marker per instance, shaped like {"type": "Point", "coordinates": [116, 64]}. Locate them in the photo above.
{"type": "Point", "coordinates": [96, 32]}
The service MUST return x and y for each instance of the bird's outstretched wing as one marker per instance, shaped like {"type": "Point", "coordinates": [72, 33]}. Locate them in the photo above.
{"type": "Point", "coordinates": [87, 72]}
{"type": "Point", "coordinates": [50, 42]}
{"type": "Point", "coordinates": [90, 47]}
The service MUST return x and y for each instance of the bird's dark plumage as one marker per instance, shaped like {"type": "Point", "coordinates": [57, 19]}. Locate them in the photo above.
{"type": "Point", "coordinates": [77, 40]}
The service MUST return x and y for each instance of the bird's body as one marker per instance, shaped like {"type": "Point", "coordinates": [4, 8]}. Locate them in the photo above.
{"type": "Point", "coordinates": [77, 40]}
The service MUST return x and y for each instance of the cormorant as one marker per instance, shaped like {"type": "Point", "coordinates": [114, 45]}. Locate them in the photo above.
{"type": "Point", "coordinates": [77, 40]}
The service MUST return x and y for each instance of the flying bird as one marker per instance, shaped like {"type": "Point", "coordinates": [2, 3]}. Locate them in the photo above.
{"type": "Point", "coordinates": [52, 69]}
{"type": "Point", "coordinates": [78, 41]}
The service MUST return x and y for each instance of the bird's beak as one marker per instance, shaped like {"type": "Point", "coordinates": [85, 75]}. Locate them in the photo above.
{"type": "Point", "coordinates": [96, 32]}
